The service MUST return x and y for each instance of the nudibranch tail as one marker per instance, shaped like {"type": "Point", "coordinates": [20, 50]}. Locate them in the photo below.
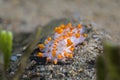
{"type": "Point", "coordinates": [63, 43]}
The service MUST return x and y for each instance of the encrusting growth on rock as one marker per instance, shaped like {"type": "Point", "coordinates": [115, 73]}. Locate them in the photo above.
{"type": "Point", "coordinates": [61, 46]}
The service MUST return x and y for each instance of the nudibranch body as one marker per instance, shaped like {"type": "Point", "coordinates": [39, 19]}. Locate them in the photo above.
{"type": "Point", "coordinates": [61, 47]}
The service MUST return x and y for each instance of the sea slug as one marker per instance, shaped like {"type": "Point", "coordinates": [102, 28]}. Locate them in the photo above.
{"type": "Point", "coordinates": [61, 46]}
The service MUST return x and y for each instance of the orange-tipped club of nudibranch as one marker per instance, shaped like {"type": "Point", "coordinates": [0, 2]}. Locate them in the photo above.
{"type": "Point", "coordinates": [55, 43]}
{"type": "Point", "coordinates": [54, 46]}
{"type": "Point", "coordinates": [40, 54]}
{"type": "Point", "coordinates": [60, 56]}
{"type": "Point", "coordinates": [77, 35]}
{"type": "Point", "coordinates": [64, 36]}
{"type": "Point", "coordinates": [71, 28]}
{"type": "Point", "coordinates": [69, 42]}
{"type": "Point", "coordinates": [65, 54]}
{"type": "Point", "coordinates": [85, 35]}
{"type": "Point", "coordinates": [49, 38]}
{"type": "Point", "coordinates": [69, 34]}
{"type": "Point", "coordinates": [71, 48]}
{"type": "Point", "coordinates": [58, 30]}
{"type": "Point", "coordinates": [66, 26]}
{"type": "Point", "coordinates": [55, 62]}
{"type": "Point", "coordinates": [70, 55]}
{"type": "Point", "coordinates": [62, 26]}
{"type": "Point", "coordinates": [79, 26]}
{"type": "Point", "coordinates": [41, 46]}
{"type": "Point", "coordinates": [53, 53]}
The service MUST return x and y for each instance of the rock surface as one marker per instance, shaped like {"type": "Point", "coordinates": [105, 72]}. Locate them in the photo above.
{"type": "Point", "coordinates": [81, 67]}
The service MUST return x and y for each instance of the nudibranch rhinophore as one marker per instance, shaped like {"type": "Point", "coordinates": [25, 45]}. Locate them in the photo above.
{"type": "Point", "coordinates": [61, 47]}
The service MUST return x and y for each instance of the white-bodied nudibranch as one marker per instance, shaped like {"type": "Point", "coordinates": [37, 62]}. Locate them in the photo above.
{"type": "Point", "coordinates": [61, 47]}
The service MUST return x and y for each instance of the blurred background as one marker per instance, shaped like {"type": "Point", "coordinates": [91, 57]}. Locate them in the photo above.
{"type": "Point", "coordinates": [26, 15]}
